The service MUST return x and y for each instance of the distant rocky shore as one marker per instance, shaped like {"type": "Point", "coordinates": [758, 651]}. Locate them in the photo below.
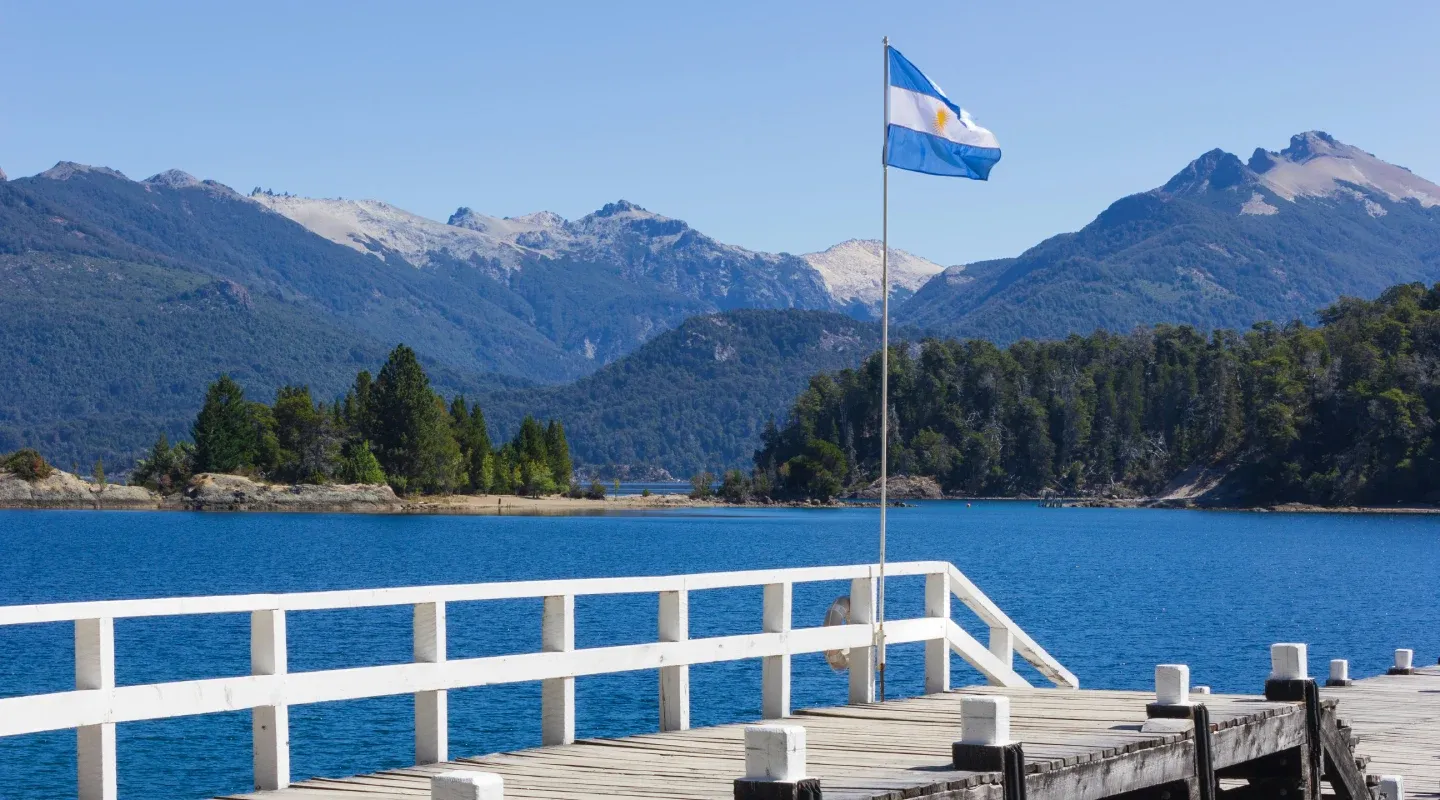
{"type": "Point", "coordinates": [213, 492]}
{"type": "Point", "coordinates": [205, 492]}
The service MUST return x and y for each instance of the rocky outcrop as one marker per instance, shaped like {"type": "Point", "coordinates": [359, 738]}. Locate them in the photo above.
{"type": "Point", "coordinates": [210, 492]}
{"type": "Point", "coordinates": [63, 490]}
{"type": "Point", "coordinates": [904, 487]}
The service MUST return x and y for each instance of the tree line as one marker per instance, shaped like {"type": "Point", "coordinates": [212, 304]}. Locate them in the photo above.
{"type": "Point", "coordinates": [1339, 413]}
{"type": "Point", "coordinates": [390, 428]}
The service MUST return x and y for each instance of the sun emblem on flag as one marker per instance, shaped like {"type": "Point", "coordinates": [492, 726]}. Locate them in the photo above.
{"type": "Point", "coordinates": [942, 116]}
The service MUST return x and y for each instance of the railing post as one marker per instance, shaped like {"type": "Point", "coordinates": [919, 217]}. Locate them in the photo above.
{"type": "Point", "coordinates": [862, 664]}
{"type": "Point", "coordinates": [432, 708]}
{"type": "Point", "coordinates": [95, 744]}
{"type": "Point", "coordinates": [557, 695]}
{"type": "Point", "coordinates": [775, 670]}
{"type": "Point", "coordinates": [1002, 646]}
{"type": "Point", "coordinates": [270, 725]}
{"type": "Point", "coordinates": [675, 681]}
{"type": "Point", "coordinates": [937, 651]}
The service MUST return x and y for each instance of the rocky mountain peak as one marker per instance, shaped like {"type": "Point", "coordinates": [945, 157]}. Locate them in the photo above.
{"type": "Point", "coordinates": [541, 219]}
{"type": "Point", "coordinates": [1313, 144]}
{"type": "Point", "coordinates": [1216, 169]}
{"type": "Point", "coordinates": [173, 179]}
{"type": "Point", "coordinates": [379, 229]}
{"type": "Point", "coordinates": [3, 177]}
{"type": "Point", "coordinates": [65, 170]}
{"type": "Point", "coordinates": [617, 208]}
{"type": "Point", "coordinates": [851, 271]}
{"type": "Point", "coordinates": [1316, 164]}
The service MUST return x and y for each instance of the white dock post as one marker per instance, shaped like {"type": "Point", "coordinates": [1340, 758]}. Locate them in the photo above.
{"type": "Point", "coordinates": [1339, 673]}
{"type": "Point", "coordinates": [270, 725]}
{"type": "Point", "coordinates": [1289, 662]}
{"type": "Point", "coordinates": [95, 744]}
{"type": "Point", "coordinates": [775, 670]}
{"type": "Point", "coordinates": [862, 661]}
{"type": "Point", "coordinates": [1404, 662]}
{"type": "Point", "coordinates": [984, 734]}
{"type": "Point", "coordinates": [432, 711]}
{"type": "Point", "coordinates": [675, 681]}
{"type": "Point", "coordinates": [775, 764]}
{"type": "Point", "coordinates": [1002, 646]}
{"type": "Point", "coordinates": [985, 720]}
{"type": "Point", "coordinates": [557, 695]}
{"type": "Point", "coordinates": [1172, 684]}
{"type": "Point", "coordinates": [937, 651]}
{"type": "Point", "coordinates": [1289, 672]}
{"type": "Point", "coordinates": [1172, 692]}
{"type": "Point", "coordinates": [1199, 690]}
{"type": "Point", "coordinates": [1392, 787]}
{"type": "Point", "coordinates": [467, 785]}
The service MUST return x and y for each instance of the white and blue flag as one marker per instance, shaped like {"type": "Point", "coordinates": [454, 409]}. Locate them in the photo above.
{"type": "Point", "coordinates": [925, 132]}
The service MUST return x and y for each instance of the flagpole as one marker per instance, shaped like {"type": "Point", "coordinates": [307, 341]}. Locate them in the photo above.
{"type": "Point", "coordinates": [884, 366]}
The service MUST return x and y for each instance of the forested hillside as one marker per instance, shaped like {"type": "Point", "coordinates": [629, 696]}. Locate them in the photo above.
{"type": "Point", "coordinates": [1342, 413]}
{"type": "Point", "coordinates": [696, 397]}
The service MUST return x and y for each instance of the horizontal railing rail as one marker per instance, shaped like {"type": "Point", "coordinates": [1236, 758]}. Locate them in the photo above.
{"type": "Point", "coordinates": [97, 704]}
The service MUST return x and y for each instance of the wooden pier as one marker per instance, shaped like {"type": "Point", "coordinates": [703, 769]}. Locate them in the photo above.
{"type": "Point", "coordinates": [1014, 740]}
{"type": "Point", "coordinates": [1077, 745]}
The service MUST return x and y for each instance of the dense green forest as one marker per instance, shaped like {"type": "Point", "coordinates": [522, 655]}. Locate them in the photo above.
{"type": "Point", "coordinates": [391, 427]}
{"type": "Point", "coordinates": [1339, 413]}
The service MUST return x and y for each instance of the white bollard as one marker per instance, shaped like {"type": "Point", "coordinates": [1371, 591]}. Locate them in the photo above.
{"type": "Point", "coordinates": [467, 785]}
{"type": "Point", "coordinates": [1404, 662]}
{"type": "Point", "coordinates": [775, 753]}
{"type": "Point", "coordinates": [1339, 673]}
{"type": "Point", "coordinates": [985, 721]}
{"type": "Point", "coordinates": [1392, 787]}
{"type": "Point", "coordinates": [1172, 684]}
{"type": "Point", "coordinates": [1289, 662]}
{"type": "Point", "coordinates": [1200, 690]}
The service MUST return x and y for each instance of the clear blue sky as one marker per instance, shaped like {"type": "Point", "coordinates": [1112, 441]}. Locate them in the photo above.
{"type": "Point", "coordinates": [757, 122]}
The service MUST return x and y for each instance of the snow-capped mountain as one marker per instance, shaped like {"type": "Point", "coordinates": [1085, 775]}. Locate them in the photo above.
{"type": "Point", "coordinates": [641, 246]}
{"type": "Point", "coordinates": [645, 246]}
{"type": "Point", "coordinates": [851, 271]}
{"type": "Point", "coordinates": [1224, 243]}
{"type": "Point", "coordinates": [380, 229]}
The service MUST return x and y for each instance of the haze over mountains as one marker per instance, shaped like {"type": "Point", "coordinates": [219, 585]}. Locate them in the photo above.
{"type": "Point", "coordinates": [121, 299]}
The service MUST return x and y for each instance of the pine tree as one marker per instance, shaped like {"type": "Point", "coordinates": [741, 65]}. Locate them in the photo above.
{"type": "Point", "coordinates": [99, 471]}
{"type": "Point", "coordinates": [308, 445]}
{"type": "Point", "coordinates": [224, 431]}
{"type": "Point", "coordinates": [412, 434]}
{"type": "Point", "coordinates": [558, 451]}
{"type": "Point", "coordinates": [474, 439]}
{"type": "Point", "coordinates": [359, 465]}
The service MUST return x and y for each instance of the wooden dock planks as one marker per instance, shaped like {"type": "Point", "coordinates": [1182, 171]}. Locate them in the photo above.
{"type": "Point", "coordinates": [1078, 744]}
{"type": "Point", "coordinates": [1397, 718]}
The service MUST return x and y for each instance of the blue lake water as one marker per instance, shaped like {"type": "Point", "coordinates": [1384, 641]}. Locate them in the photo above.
{"type": "Point", "coordinates": [1110, 593]}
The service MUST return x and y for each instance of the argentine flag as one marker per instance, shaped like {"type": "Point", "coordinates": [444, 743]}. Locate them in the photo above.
{"type": "Point", "coordinates": [925, 132]}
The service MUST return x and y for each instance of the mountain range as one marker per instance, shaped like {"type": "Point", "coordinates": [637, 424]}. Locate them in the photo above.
{"type": "Point", "coordinates": [121, 299]}
{"type": "Point", "coordinates": [1224, 243]}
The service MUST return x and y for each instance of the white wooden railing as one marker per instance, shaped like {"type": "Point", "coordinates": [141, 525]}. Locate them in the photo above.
{"type": "Point", "coordinates": [97, 704]}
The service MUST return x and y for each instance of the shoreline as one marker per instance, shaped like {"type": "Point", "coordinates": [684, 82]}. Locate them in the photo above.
{"type": "Point", "coordinates": [560, 506]}
{"type": "Point", "coordinates": [228, 493]}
